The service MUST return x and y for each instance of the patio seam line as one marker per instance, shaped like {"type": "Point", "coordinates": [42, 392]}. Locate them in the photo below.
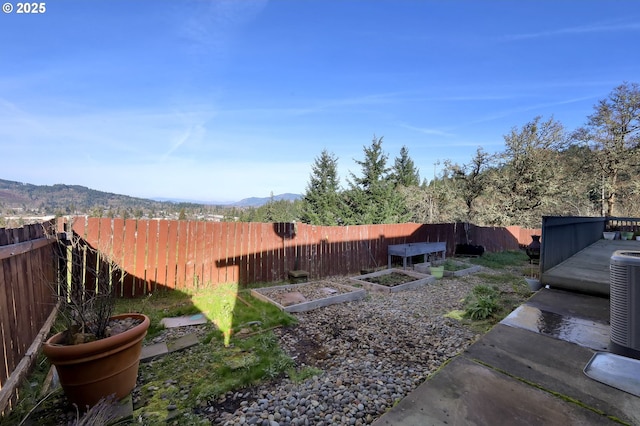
{"type": "Point", "coordinates": [542, 388]}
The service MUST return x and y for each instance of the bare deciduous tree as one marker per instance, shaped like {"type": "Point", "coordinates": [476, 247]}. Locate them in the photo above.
{"type": "Point", "coordinates": [613, 134]}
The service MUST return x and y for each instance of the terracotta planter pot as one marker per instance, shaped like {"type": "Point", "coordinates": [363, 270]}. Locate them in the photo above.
{"type": "Point", "coordinates": [91, 371]}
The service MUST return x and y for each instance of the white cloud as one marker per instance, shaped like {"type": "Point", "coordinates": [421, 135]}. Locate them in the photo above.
{"type": "Point", "coordinates": [578, 30]}
{"type": "Point", "coordinates": [427, 130]}
{"type": "Point", "coordinates": [215, 23]}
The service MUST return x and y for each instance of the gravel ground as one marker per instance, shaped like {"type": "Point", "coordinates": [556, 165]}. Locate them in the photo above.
{"type": "Point", "coordinates": [372, 353]}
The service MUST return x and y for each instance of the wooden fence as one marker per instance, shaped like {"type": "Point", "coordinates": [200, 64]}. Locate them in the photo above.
{"type": "Point", "coordinates": [181, 255]}
{"type": "Point", "coordinates": [185, 255]}
{"type": "Point", "coordinates": [27, 268]}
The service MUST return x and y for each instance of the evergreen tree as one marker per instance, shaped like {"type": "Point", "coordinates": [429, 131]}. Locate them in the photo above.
{"type": "Point", "coordinates": [374, 166]}
{"type": "Point", "coordinates": [372, 197]}
{"type": "Point", "coordinates": [273, 211]}
{"type": "Point", "coordinates": [404, 171]}
{"type": "Point", "coordinates": [321, 203]}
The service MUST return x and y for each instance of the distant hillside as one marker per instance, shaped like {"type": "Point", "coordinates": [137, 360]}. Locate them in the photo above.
{"type": "Point", "coordinates": [245, 202]}
{"type": "Point", "coordinates": [62, 198]}
{"type": "Point", "coordinates": [257, 202]}
{"type": "Point", "coordinates": [17, 197]}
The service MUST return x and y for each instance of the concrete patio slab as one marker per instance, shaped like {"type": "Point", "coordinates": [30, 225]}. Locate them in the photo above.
{"type": "Point", "coordinates": [554, 365]}
{"type": "Point", "coordinates": [467, 393]}
{"type": "Point", "coordinates": [530, 375]}
{"type": "Point", "coordinates": [570, 304]}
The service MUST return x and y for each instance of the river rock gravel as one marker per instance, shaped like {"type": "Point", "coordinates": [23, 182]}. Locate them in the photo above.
{"type": "Point", "coordinates": [370, 354]}
{"type": "Point", "coordinates": [367, 355]}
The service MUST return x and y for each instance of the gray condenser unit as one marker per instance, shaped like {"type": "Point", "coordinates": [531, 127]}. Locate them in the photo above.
{"type": "Point", "coordinates": [625, 303]}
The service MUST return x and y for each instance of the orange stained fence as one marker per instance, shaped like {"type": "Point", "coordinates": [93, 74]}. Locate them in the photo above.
{"type": "Point", "coordinates": [186, 255]}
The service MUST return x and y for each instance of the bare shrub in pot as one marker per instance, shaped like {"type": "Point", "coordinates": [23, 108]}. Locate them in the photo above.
{"type": "Point", "coordinates": [97, 354]}
{"type": "Point", "coordinates": [85, 289]}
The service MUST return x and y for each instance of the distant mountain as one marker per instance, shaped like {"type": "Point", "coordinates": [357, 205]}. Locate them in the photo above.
{"type": "Point", "coordinates": [190, 201]}
{"type": "Point", "coordinates": [245, 202]}
{"type": "Point", "coordinates": [257, 202]}
{"type": "Point", "coordinates": [60, 198]}
{"type": "Point", "coordinates": [75, 199]}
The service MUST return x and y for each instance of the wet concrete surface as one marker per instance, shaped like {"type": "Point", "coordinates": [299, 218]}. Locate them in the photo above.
{"type": "Point", "coordinates": [528, 370]}
{"type": "Point", "coordinates": [583, 332]}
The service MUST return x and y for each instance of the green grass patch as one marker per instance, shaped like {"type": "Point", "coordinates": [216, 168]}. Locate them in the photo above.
{"type": "Point", "coordinates": [225, 305]}
{"type": "Point", "coordinates": [503, 290]}
{"type": "Point", "coordinates": [482, 303]}
{"type": "Point", "coordinates": [238, 349]}
{"type": "Point", "coordinates": [501, 260]}
{"type": "Point", "coordinates": [456, 314]}
{"type": "Point", "coordinates": [452, 265]}
{"type": "Point", "coordinates": [498, 279]}
{"type": "Point", "coordinates": [200, 374]}
{"type": "Point", "coordinates": [300, 375]}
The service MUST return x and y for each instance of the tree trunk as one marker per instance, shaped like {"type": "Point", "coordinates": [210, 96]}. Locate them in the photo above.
{"type": "Point", "coordinates": [611, 199]}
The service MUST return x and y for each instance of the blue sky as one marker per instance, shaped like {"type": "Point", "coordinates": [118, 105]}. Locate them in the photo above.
{"type": "Point", "coordinates": [223, 100]}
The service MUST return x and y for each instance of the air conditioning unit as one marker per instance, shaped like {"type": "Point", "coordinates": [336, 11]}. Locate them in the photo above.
{"type": "Point", "coordinates": [624, 278]}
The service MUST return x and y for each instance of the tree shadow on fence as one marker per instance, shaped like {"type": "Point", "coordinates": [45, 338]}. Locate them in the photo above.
{"type": "Point", "coordinates": [330, 251]}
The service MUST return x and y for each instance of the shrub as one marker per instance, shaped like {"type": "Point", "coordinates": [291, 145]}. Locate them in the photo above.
{"type": "Point", "coordinates": [482, 303]}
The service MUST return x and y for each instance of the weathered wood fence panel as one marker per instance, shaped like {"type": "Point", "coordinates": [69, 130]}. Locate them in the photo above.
{"type": "Point", "coordinates": [27, 273]}
{"type": "Point", "coordinates": [186, 255]}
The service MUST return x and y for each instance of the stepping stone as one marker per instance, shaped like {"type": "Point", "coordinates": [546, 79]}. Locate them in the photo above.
{"type": "Point", "coordinates": [156, 350]}
{"type": "Point", "coordinates": [153, 351]}
{"type": "Point", "coordinates": [293, 298]}
{"type": "Point", "coordinates": [183, 342]}
{"type": "Point", "coordinates": [184, 321]}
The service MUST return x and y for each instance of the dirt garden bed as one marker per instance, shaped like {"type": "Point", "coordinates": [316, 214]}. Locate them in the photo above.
{"type": "Point", "coordinates": [392, 280]}
{"type": "Point", "coordinates": [306, 296]}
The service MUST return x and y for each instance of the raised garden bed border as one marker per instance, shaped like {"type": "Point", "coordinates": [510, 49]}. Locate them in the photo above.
{"type": "Point", "coordinates": [421, 279]}
{"type": "Point", "coordinates": [472, 269]}
{"type": "Point", "coordinates": [353, 295]}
